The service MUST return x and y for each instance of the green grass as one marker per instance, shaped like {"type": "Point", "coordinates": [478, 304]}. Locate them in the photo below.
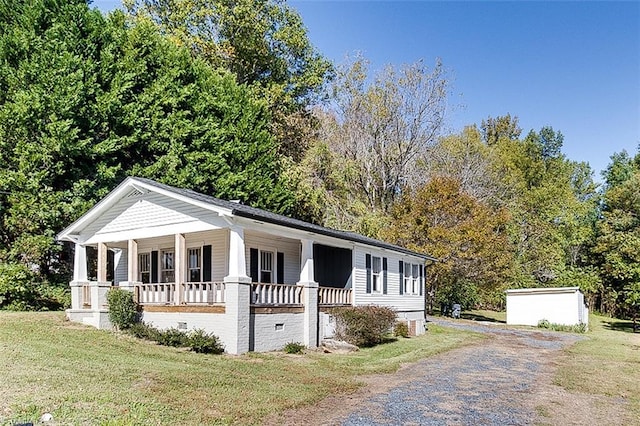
{"type": "Point", "coordinates": [87, 376]}
{"type": "Point", "coordinates": [606, 363]}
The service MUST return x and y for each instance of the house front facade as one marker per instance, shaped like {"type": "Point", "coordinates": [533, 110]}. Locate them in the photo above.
{"type": "Point", "coordinates": [257, 280]}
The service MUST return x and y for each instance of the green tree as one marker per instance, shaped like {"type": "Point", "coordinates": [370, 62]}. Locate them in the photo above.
{"type": "Point", "coordinates": [262, 42]}
{"type": "Point", "coordinates": [617, 247]}
{"type": "Point", "coordinates": [87, 100]}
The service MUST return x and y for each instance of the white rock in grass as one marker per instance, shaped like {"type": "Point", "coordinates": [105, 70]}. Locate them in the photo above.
{"type": "Point", "coordinates": [46, 417]}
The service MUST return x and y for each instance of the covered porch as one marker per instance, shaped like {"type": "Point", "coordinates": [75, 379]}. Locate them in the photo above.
{"type": "Point", "coordinates": [219, 280]}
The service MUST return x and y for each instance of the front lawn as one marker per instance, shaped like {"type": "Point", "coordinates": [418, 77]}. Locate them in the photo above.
{"type": "Point", "coordinates": [87, 376]}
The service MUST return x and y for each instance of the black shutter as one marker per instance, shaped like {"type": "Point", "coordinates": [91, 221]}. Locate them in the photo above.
{"type": "Point", "coordinates": [421, 280]}
{"type": "Point", "coordinates": [206, 263]}
{"type": "Point", "coordinates": [253, 262]}
{"type": "Point", "coordinates": [401, 273]}
{"type": "Point", "coordinates": [154, 266]}
{"type": "Point", "coordinates": [368, 265]}
{"type": "Point", "coordinates": [280, 268]}
{"type": "Point", "coordinates": [384, 275]}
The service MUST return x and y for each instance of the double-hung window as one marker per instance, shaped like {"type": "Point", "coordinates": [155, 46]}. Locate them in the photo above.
{"type": "Point", "coordinates": [167, 267]}
{"type": "Point", "coordinates": [266, 267]}
{"type": "Point", "coordinates": [195, 264]}
{"type": "Point", "coordinates": [144, 267]}
{"type": "Point", "coordinates": [415, 279]}
{"type": "Point", "coordinates": [376, 274]}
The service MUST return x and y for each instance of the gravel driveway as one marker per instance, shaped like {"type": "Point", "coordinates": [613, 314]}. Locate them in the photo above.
{"type": "Point", "coordinates": [485, 384]}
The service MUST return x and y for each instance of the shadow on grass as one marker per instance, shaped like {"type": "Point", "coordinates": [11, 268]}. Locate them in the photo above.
{"type": "Point", "coordinates": [620, 325]}
{"type": "Point", "coordinates": [477, 317]}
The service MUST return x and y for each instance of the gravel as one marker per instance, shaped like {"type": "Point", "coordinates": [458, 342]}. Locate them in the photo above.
{"type": "Point", "coordinates": [484, 384]}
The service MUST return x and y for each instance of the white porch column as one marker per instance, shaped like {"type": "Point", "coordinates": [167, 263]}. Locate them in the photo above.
{"type": "Point", "coordinates": [237, 288]}
{"type": "Point", "coordinates": [132, 261]}
{"type": "Point", "coordinates": [79, 276]}
{"type": "Point", "coordinates": [102, 263]}
{"type": "Point", "coordinates": [310, 294]}
{"type": "Point", "coordinates": [80, 263]}
{"type": "Point", "coordinates": [179, 268]}
{"type": "Point", "coordinates": [237, 258]}
{"type": "Point", "coordinates": [306, 262]}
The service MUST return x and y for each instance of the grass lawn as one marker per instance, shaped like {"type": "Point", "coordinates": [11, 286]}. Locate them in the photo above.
{"type": "Point", "coordinates": [86, 376]}
{"type": "Point", "coordinates": [607, 363]}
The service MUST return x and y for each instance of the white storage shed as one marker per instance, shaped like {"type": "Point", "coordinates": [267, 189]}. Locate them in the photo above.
{"type": "Point", "coordinates": [560, 305]}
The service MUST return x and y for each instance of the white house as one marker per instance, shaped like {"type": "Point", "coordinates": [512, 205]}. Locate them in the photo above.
{"type": "Point", "coordinates": [562, 305]}
{"type": "Point", "coordinates": [256, 279]}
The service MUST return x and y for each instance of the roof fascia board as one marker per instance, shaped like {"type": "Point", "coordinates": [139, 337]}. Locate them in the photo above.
{"type": "Point", "coordinates": [102, 205]}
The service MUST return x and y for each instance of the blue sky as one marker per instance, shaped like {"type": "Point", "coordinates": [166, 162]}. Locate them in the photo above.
{"type": "Point", "coordinates": [572, 65]}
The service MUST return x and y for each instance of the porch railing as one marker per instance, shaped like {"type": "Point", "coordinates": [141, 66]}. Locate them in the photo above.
{"type": "Point", "coordinates": [203, 293]}
{"type": "Point", "coordinates": [155, 294]}
{"type": "Point", "coordinates": [334, 296]}
{"type": "Point", "coordinates": [276, 294]}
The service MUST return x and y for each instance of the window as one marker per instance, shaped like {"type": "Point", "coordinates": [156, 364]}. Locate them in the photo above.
{"type": "Point", "coordinates": [411, 282]}
{"type": "Point", "coordinates": [144, 267]}
{"type": "Point", "coordinates": [266, 266]}
{"type": "Point", "coordinates": [167, 271]}
{"type": "Point", "coordinates": [376, 274]}
{"type": "Point", "coordinates": [407, 278]}
{"type": "Point", "coordinates": [195, 265]}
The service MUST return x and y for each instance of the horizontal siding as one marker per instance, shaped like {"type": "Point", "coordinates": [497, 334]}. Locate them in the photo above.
{"type": "Point", "coordinates": [121, 271]}
{"type": "Point", "coordinates": [393, 298]}
{"type": "Point", "coordinates": [290, 248]}
{"type": "Point", "coordinates": [146, 211]}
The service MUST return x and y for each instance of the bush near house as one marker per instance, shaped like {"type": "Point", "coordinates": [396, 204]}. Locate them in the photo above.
{"type": "Point", "coordinates": [123, 310]}
{"type": "Point", "coordinates": [20, 290]}
{"type": "Point", "coordinates": [363, 325]}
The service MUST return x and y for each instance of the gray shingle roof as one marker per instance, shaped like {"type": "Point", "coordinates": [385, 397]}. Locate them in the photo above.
{"type": "Point", "coordinates": [238, 209]}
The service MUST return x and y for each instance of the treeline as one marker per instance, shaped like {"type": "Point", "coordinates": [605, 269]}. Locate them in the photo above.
{"type": "Point", "coordinates": [232, 100]}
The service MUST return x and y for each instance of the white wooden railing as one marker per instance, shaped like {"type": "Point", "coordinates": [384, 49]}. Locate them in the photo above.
{"type": "Point", "coordinates": [203, 293]}
{"type": "Point", "coordinates": [155, 294]}
{"type": "Point", "coordinates": [276, 294]}
{"type": "Point", "coordinates": [334, 296]}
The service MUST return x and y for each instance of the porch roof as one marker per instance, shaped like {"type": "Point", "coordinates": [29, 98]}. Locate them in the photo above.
{"type": "Point", "coordinates": [242, 210]}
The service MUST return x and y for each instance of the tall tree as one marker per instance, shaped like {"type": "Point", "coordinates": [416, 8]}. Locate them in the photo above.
{"type": "Point", "coordinates": [262, 42]}
{"type": "Point", "coordinates": [380, 128]}
{"type": "Point", "coordinates": [617, 247]}
{"type": "Point", "coordinates": [88, 100]}
{"type": "Point", "coordinates": [468, 238]}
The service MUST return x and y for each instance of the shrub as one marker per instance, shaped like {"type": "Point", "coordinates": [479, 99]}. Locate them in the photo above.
{"type": "Point", "coordinates": [17, 292]}
{"type": "Point", "coordinates": [144, 331]}
{"type": "Point", "coordinates": [123, 311]}
{"type": "Point", "coordinates": [576, 328]}
{"type": "Point", "coordinates": [204, 343]}
{"type": "Point", "coordinates": [543, 323]}
{"type": "Point", "coordinates": [173, 337]}
{"type": "Point", "coordinates": [401, 329]}
{"type": "Point", "coordinates": [363, 325]}
{"type": "Point", "coordinates": [294, 348]}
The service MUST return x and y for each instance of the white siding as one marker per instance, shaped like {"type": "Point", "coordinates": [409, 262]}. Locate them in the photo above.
{"type": "Point", "coordinates": [556, 305]}
{"type": "Point", "coordinates": [148, 212]}
{"type": "Point", "coordinates": [120, 271]}
{"type": "Point", "coordinates": [218, 239]}
{"type": "Point", "coordinates": [393, 298]}
{"type": "Point", "coordinates": [290, 248]}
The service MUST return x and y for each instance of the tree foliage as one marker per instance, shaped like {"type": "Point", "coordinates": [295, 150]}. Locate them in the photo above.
{"type": "Point", "coordinates": [87, 100]}
{"type": "Point", "coordinates": [262, 42]}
